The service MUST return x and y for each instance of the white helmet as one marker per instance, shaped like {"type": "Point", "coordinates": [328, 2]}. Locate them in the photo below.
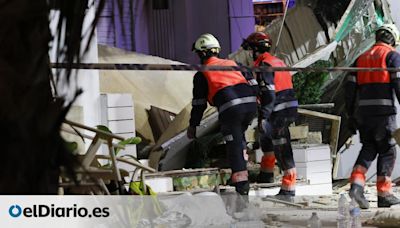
{"type": "Point", "coordinates": [393, 30]}
{"type": "Point", "coordinates": [207, 42]}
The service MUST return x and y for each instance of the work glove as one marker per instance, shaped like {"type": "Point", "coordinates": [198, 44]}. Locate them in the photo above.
{"type": "Point", "coordinates": [191, 132]}
{"type": "Point", "coordinates": [352, 125]}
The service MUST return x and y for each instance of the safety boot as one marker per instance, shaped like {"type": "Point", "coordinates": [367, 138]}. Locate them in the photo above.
{"type": "Point", "coordinates": [264, 177]}
{"type": "Point", "coordinates": [357, 193]}
{"type": "Point", "coordinates": [387, 201]}
{"type": "Point", "coordinates": [284, 195]}
{"type": "Point", "coordinates": [242, 188]}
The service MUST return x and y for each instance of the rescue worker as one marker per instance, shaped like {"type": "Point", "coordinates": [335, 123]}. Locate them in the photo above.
{"type": "Point", "coordinates": [235, 100]}
{"type": "Point", "coordinates": [277, 109]}
{"type": "Point", "coordinates": [370, 108]}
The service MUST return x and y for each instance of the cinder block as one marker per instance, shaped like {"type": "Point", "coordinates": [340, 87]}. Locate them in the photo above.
{"type": "Point", "coordinates": [118, 99]}
{"type": "Point", "coordinates": [120, 113]}
{"type": "Point", "coordinates": [307, 153]}
{"type": "Point", "coordinates": [319, 178]}
{"type": "Point", "coordinates": [160, 184]}
{"type": "Point", "coordinates": [121, 126]}
{"type": "Point", "coordinates": [301, 190]}
{"type": "Point", "coordinates": [307, 168]}
{"type": "Point", "coordinates": [314, 189]}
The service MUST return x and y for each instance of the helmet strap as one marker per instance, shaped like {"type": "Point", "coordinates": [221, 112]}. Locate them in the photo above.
{"type": "Point", "coordinates": [204, 55]}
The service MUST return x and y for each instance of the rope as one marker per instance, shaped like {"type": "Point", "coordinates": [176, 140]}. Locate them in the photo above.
{"type": "Point", "coordinates": [194, 67]}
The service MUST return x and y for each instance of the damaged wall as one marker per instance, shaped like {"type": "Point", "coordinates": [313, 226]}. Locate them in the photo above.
{"type": "Point", "coordinates": [169, 90]}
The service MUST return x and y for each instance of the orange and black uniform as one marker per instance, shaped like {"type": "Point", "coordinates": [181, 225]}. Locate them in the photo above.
{"type": "Point", "coordinates": [278, 105]}
{"type": "Point", "coordinates": [235, 100]}
{"type": "Point", "coordinates": [370, 101]}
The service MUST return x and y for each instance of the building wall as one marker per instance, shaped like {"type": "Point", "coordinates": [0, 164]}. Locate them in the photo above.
{"type": "Point", "coordinates": [117, 26]}
{"type": "Point", "coordinates": [87, 80]}
{"type": "Point", "coordinates": [241, 19]}
{"type": "Point", "coordinates": [170, 33]}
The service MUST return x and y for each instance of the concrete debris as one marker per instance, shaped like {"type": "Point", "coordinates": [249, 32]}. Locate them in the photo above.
{"type": "Point", "coordinates": [385, 218]}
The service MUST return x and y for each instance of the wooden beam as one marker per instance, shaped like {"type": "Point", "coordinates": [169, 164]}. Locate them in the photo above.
{"type": "Point", "coordinates": [318, 114]}
{"type": "Point", "coordinates": [100, 132]}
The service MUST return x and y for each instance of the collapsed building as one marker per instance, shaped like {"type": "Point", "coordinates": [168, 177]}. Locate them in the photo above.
{"type": "Point", "coordinates": [305, 36]}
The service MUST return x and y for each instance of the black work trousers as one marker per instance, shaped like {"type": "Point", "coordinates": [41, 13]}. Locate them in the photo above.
{"type": "Point", "coordinates": [277, 139]}
{"type": "Point", "coordinates": [233, 128]}
{"type": "Point", "coordinates": [376, 138]}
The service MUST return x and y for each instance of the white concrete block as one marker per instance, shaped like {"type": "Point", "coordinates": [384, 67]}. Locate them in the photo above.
{"type": "Point", "coordinates": [302, 153]}
{"type": "Point", "coordinates": [120, 113]}
{"type": "Point", "coordinates": [306, 168]}
{"type": "Point", "coordinates": [160, 184]}
{"type": "Point", "coordinates": [318, 178]}
{"type": "Point", "coordinates": [314, 189]}
{"type": "Point", "coordinates": [301, 190]}
{"type": "Point", "coordinates": [121, 126]}
{"type": "Point", "coordinates": [118, 99]}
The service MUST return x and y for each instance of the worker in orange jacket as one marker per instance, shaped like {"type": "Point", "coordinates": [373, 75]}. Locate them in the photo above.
{"type": "Point", "coordinates": [277, 109]}
{"type": "Point", "coordinates": [371, 109]}
{"type": "Point", "coordinates": [235, 99]}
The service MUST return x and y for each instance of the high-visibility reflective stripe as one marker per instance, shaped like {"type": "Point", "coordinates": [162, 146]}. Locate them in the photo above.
{"type": "Point", "coordinates": [270, 87]}
{"type": "Point", "coordinates": [228, 138]}
{"type": "Point", "coordinates": [285, 105]}
{"type": "Point", "coordinates": [358, 175]}
{"type": "Point", "coordinates": [268, 162]}
{"type": "Point", "coordinates": [252, 82]}
{"type": "Point", "coordinates": [277, 142]}
{"type": "Point", "coordinates": [236, 101]}
{"type": "Point", "coordinates": [385, 102]}
{"type": "Point", "coordinates": [289, 180]}
{"type": "Point", "coordinates": [199, 101]}
{"type": "Point", "coordinates": [383, 185]}
{"type": "Point", "coordinates": [352, 78]}
{"type": "Point", "coordinates": [240, 176]}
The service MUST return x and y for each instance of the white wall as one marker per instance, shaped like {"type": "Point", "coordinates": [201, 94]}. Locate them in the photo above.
{"type": "Point", "coordinates": [87, 80]}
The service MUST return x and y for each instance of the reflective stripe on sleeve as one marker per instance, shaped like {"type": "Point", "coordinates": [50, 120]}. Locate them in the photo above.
{"type": "Point", "coordinates": [385, 102]}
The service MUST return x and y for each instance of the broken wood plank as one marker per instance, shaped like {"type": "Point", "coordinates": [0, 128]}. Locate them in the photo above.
{"type": "Point", "coordinates": [282, 202]}
{"type": "Point", "coordinates": [265, 185]}
{"type": "Point", "coordinates": [318, 114]}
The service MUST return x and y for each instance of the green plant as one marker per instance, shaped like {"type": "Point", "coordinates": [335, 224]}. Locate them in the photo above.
{"type": "Point", "coordinates": [308, 85]}
{"type": "Point", "coordinates": [128, 141]}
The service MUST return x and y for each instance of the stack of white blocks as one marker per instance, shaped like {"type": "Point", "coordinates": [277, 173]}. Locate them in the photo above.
{"type": "Point", "coordinates": [117, 113]}
{"type": "Point", "coordinates": [313, 163]}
